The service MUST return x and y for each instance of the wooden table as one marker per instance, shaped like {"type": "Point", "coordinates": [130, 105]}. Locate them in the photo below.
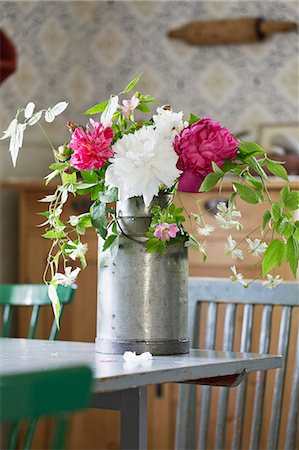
{"type": "Point", "coordinates": [123, 385]}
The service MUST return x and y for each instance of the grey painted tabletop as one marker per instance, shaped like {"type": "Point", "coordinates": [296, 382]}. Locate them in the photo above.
{"type": "Point", "coordinates": [112, 372]}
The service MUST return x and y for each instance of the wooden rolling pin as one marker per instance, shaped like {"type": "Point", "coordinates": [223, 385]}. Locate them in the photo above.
{"type": "Point", "coordinates": [234, 31]}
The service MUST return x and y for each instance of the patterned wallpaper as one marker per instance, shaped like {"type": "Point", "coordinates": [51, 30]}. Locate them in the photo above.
{"type": "Point", "coordinates": [81, 51]}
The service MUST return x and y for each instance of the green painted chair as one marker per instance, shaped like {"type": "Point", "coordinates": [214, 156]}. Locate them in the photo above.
{"type": "Point", "coordinates": [26, 397]}
{"type": "Point", "coordinates": [34, 296]}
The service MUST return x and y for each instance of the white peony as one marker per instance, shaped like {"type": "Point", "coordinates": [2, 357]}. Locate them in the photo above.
{"type": "Point", "coordinates": [167, 122]}
{"type": "Point", "coordinates": [142, 162]}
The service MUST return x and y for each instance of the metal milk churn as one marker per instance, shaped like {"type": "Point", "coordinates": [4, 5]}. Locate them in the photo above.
{"type": "Point", "coordinates": [142, 297]}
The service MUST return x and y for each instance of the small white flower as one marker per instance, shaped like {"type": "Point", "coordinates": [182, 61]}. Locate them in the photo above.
{"type": "Point", "coordinates": [272, 281]}
{"type": "Point", "coordinates": [256, 247]}
{"type": "Point", "coordinates": [206, 230]}
{"type": "Point", "coordinates": [167, 122]}
{"type": "Point", "coordinates": [237, 277]}
{"type": "Point", "coordinates": [226, 217]}
{"type": "Point", "coordinates": [231, 250]}
{"type": "Point", "coordinates": [68, 278]}
{"type": "Point", "coordinates": [196, 217]}
{"type": "Point", "coordinates": [74, 220]}
{"type": "Point", "coordinates": [76, 250]}
{"type": "Point", "coordinates": [202, 246]}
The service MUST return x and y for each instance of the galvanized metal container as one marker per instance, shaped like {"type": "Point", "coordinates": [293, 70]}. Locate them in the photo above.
{"type": "Point", "coordinates": [142, 297]}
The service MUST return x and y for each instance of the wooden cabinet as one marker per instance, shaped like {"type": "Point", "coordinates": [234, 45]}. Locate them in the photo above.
{"type": "Point", "coordinates": [96, 429]}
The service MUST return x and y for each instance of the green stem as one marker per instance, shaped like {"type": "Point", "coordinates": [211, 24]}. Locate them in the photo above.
{"type": "Point", "coordinates": [47, 137]}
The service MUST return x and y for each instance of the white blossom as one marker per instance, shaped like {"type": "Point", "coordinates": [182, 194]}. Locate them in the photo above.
{"type": "Point", "coordinates": [76, 250]}
{"type": "Point", "coordinates": [108, 112]}
{"type": "Point", "coordinates": [256, 247]}
{"type": "Point", "coordinates": [167, 122]}
{"type": "Point", "coordinates": [142, 162]}
{"type": "Point", "coordinates": [226, 217]}
{"type": "Point", "coordinates": [206, 230]}
{"type": "Point", "coordinates": [67, 278]}
{"type": "Point", "coordinates": [272, 281]}
{"type": "Point", "coordinates": [231, 250]}
{"type": "Point", "coordinates": [74, 220]}
{"type": "Point", "coordinates": [237, 277]}
{"type": "Point", "coordinates": [29, 110]}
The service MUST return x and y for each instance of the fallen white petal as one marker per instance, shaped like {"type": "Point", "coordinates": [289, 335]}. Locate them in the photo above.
{"type": "Point", "coordinates": [131, 356]}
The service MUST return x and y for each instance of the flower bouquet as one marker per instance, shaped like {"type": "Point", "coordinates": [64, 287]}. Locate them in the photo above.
{"type": "Point", "coordinates": [117, 157]}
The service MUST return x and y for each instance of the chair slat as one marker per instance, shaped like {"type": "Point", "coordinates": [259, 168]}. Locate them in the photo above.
{"type": "Point", "coordinates": [33, 322]}
{"type": "Point", "coordinates": [241, 390]}
{"type": "Point", "coordinates": [294, 405]}
{"type": "Point", "coordinates": [30, 434]}
{"type": "Point", "coordinates": [6, 322]}
{"type": "Point", "coordinates": [283, 342]}
{"type": "Point", "coordinates": [228, 340]}
{"type": "Point", "coordinates": [186, 413]}
{"type": "Point", "coordinates": [205, 402]}
{"type": "Point", "coordinates": [260, 380]}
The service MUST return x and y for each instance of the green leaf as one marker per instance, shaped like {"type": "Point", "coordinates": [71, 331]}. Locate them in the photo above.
{"type": "Point", "coordinates": [277, 169]}
{"type": "Point", "coordinates": [286, 228]}
{"type": "Point", "coordinates": [114, 247]}
{"type": "Point", "coordinates": [217, 169]}
{"type": "Point", "coordinates": [246, 147]}
{"type": "Point", "coordinates": [291, 202]}
{"type": "Point", "coordinates": [89, 176]}
{"type": "Point", "coordinates": [193, 118]}
{"type": "Point", "coordinates": [228, 165]}
{"type": "Point", "coordinates": [97, 108]}
{"type": "Point", "coordinates": [143, 107]}
{"type": "Point", "coordinates": [109, 196]}
{"type": "Point", "coordinates": [296, 234]}
{"type": "Point", "coordinates": [292, 256]}
{"type": "Point", "coordinates": [155, 244]}
{"type": "Point", "coordinates": [266, 220]}
{"type": "Point", "coordinates": [98, 218]}
{"type": "Point", "coordinates": [147, 98]}
{"type": "Point", "coordinates": [254, 181]}
{"type": "Point", "coordinates": [255, 164]}
{"type": "Point", "coordinates": [58, 166]}
{"type": "Point", "coordinates": [274, 254]}
{"type": "Point", "coordinates": [248, 194]}
{"type": "Point", "coordinates": [132, 84]}
{"type": "Point", "coordinates": [109, 241]}
{"type": "Point", "coordinates": [52, 234]}
{"type": "Point", "coordinates": [275, 211]}
{"type": "Point", "coordinates": [210, 181]}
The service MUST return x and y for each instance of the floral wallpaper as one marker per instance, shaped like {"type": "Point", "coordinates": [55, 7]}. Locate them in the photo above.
{"type": "Point", "coordinates": [81, 51]}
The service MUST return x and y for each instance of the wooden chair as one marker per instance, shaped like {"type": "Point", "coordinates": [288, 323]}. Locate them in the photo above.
{"type": "Point", "coordinates": [31, 295]}
{"type": "Point", "coordinates": [249, 312]}
{"type": "Point", "coordinates": [30, 396]}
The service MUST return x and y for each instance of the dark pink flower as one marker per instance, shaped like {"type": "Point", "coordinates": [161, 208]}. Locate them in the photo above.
{"type": "Point", "coordinates": [165, 231]}
{"type": "Point", "coordinates": [197, 146]}
{"type": "Point", "coordinates": [91, 148]}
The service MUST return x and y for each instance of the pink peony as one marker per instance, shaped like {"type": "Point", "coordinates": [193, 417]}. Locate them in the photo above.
{"type": "Point", "coordinates": [91, 148]}
{"type": "Point", "coordinates": [197, 146]}
{"type": "Point", "coordinates": [165, 231]}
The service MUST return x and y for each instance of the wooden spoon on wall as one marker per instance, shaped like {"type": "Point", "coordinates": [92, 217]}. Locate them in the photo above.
{"type": "Point", "coordinates": [233, 31]}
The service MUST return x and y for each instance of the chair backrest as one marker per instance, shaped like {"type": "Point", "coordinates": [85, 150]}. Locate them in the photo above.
{"type": "Point", "coordinates": [30, 295]}
{"type": "Point", "coordinates": [226, 316]}
{"type": "Point", "coordinates": [30, 396]}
